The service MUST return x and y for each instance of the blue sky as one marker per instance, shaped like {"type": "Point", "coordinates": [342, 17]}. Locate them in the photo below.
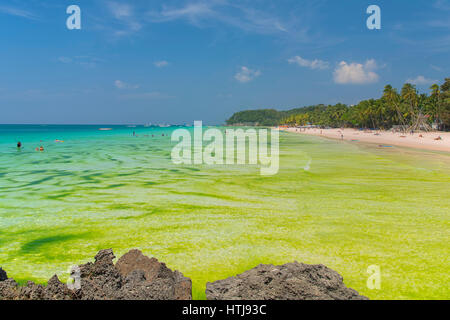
{"type": "Point", "coordinates": [141, 61]}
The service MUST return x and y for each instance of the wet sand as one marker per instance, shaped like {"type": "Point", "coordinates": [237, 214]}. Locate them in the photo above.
{"type": "Point", "coordinates": [419, 140]}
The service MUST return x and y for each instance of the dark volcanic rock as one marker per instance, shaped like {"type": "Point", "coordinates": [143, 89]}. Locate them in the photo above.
{"type": "Point", "coordinates": [135, 276]}
{"type": "Point", "coordinates": [55, 290]}
{"type": "Point", "coordinates": [3, 275]}
{"type": "Point", "coordinates": [100, 280]}
{"type": "Point", "coordinates": [8, 289]}
{"type": "Point", "coordinates": [291, 281]}
{"type": "Point", "coordinates": [160, 283]}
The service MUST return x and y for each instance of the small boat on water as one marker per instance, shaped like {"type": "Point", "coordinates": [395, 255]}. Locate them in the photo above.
{"type": "Point", "coordinates": [105, 129]}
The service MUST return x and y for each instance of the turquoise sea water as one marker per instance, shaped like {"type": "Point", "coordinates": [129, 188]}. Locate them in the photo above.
{"type": "Point", "coordinates": [345, 205]}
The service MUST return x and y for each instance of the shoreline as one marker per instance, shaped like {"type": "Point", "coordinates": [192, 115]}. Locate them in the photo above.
{"type": "Point", "coordinates": [418, 140]}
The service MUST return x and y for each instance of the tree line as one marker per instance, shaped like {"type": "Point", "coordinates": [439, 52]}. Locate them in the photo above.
{"type": "Point", "coordinates": [406, 109]}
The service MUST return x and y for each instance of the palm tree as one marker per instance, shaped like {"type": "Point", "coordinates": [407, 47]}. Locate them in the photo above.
{"type": "Point", "coordinates": [435, 103]}
{"type": "Point", "coordinates": [414, 101]}
{"type": "Point", "coordinates": [409, 96]}
{"type": "Point", "coordinates": [445, 104]}
{"type": "Point", "coordinates": [391, 96]}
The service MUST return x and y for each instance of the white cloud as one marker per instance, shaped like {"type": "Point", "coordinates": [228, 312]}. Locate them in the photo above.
{"type": "Point", "coordinates": [232, 14]}
{"type": "Point", "coordinates": [119, 84]}
{"type": "Point", "coordinates": [65, 59]}
{"type": "Point", "coordinates": [356, 73]}
{"type": "Point", "coordinates": [312, 64]}
{"type": "Point", "coordinates": [436, 68]}
{"type": "Point", "coordinates": [17, 12]}
{"type": "Point", "coordinates": [191, 11]}
{"type": "Point", "coordinates": [120, 10]}
{"type": "Point", "coordinates": [122, 85]}
{"type": "Point", "coordinates": [440, 23]}
{"type": "Point", "coordinates": [421, 80]}
{"type": "Point", "coordinates": [123, 18]}
{"type": "Point", "coordinates": [246, 75]}
{"type": "Point", "coordinates": [442, 5]}
{"type": "Point", "coordinates": [84, 61]}
{"type": "Point", "coordinates": [124, 15]}
{"type": "Point", "coordinates": [161, 64]}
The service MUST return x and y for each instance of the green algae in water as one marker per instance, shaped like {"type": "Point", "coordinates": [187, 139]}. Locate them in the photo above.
{"type": "Point", "coordinates": [344, 205]}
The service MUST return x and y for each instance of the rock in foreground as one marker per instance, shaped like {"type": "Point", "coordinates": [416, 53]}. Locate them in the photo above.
{"type": "Point", "coordinates": [3, 275]}
{"type": "Point", "coordinates": [291, 281]}
{"type": "Point", "coordinates": [134, 277]}
{"type": "Point", "coordinates": [162, 283]}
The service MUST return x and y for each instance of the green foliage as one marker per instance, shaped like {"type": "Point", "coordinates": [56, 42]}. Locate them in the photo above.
{"type": "Point", "coordinates": [391, 109]}
{"type": "Point", "coordinates": [265, 117]}
{"type": "Point", "coordinates": [444, 105]}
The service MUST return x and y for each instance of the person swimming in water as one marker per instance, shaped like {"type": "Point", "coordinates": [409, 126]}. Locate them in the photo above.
{"type": "Point", "coordinates": [19, 144]}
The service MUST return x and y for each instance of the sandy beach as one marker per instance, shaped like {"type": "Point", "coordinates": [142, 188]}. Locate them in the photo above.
{"type": "Point", "coordinates": [422, 140]}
